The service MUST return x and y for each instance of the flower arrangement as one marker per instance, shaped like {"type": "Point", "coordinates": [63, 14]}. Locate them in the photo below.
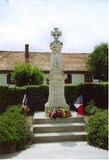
{"type": "Point", "coordinates": [59, 112]}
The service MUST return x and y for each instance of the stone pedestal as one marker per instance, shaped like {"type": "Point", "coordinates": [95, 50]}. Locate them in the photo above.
{"type": "Point", "coordinates": [56, 76]}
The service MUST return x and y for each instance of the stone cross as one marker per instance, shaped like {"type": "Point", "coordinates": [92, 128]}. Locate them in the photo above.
{"type": "Point", "coordinates": [56, 34]}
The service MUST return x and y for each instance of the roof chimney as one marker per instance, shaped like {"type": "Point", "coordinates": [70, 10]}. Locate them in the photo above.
{"type": "Point", "coordinates": [27, 53]}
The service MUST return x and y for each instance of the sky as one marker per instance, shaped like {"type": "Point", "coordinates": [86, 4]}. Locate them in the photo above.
{"type": "Point", "coordinates": [83, 24]}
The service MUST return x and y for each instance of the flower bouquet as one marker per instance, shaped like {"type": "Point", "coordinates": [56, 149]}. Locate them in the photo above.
{"type": "Point", "coordinates": [59, 112]}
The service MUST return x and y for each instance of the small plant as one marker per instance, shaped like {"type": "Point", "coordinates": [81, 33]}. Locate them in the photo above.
{"type": "Point", "coordinates": [91, 108]}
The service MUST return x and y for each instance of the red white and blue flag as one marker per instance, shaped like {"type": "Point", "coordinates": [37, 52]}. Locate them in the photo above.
{"type": "Point", "coordinates": [79, 104]}
{"type": "Point", "coordinates": [25, 102]}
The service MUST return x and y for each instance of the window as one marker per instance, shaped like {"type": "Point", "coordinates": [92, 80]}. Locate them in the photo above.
{"type": "Point", "coordinates": [88, 78]}
{"type": "Point", "coordinates": [68, 79]}
{"type": "Point", "coordinates": [10, 79]}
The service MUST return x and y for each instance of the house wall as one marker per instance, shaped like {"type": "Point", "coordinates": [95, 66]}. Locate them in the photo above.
{"type": "Point", "coordinates": [78, 78]}
{"type": "Point", "coordinates": [3, 79]}
{"type": "Point", "coordinates": [75, 78]}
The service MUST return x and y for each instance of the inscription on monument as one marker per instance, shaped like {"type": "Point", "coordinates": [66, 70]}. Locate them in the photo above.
{"type": "Point", "coordinates": [57, 92]}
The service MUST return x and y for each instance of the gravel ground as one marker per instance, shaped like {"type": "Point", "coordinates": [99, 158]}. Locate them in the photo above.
{"type": "Point", "coordinates": [60, 150]}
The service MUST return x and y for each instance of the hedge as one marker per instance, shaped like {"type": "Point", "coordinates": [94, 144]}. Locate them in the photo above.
{"type": "Point", "coordinates": [39, 95]}
{"type": "Point", "coordinates": [96, 92]}
{"type": "Point", "coordinates": [97, 129]}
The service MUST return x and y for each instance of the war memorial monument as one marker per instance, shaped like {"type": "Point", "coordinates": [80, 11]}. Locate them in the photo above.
{"type": "Point", "coordinates": [56, 76]}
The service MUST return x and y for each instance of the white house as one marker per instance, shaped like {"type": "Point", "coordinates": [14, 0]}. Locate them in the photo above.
{"type": "Point", "coordinates": [74, 65]}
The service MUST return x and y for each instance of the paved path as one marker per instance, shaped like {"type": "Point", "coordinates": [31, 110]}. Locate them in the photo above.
{"type": "Point", "coordinates": [60, 150]}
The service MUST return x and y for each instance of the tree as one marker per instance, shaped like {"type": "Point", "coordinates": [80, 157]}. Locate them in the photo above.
{"type": "Point", "coordinates": [97, 62]}
{"type": "Point", "coordinates": [25, 74]}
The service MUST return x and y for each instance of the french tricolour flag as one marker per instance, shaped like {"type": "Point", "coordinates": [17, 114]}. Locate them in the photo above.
{"type": "Point", "coordinates": [25, 102]}
{"type": "Point", "coordinates": [79, 104]}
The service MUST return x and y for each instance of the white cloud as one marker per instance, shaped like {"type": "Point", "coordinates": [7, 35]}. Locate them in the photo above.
{"type": "Point", "coordinates": [83, 24]}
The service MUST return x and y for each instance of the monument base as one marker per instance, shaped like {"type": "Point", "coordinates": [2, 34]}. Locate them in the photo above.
{"type": "Point", "coordinates": [49, 108]}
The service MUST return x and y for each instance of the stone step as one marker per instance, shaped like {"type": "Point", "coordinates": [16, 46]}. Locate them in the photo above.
{"type": "Point", "coordinates": [40, 118]}
{"type": "Point", "coordinates": [58, 120]}
{"type": "Point", "coordinates": [58, 127]}
{"type": "Point", "coordinates": [59, 137]}
{"type": "Point", "coordinates": [47, 129]}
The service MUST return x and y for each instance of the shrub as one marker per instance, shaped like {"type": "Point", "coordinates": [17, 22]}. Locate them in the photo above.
{"type": "Point", "coordinates": [91, 108]}
{"type": "Point", "coordinates": [25, 74]}
{"type": "Point", "coordinates": [97, 129]}
{"type": "Point", "coordinates": [7, 130]}
{"type": "Point", "coordinates": [14, 128]}
{"type": "Point", "coordinates": [14, 109]}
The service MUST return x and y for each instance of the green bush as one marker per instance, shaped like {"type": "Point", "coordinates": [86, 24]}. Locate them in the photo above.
{"type": "Point", "coordinates": [14, 109]}
{"type": "Point", "coordinates": [97, 129]}
{"type": "Point", "coordinates": [25, 74]}
{"type": "Point", "coordinates": [14, 128]}
{"type": "Point", "coordinates": [7, 130]}
{"type": "Point", "coordinates": [91, 108]}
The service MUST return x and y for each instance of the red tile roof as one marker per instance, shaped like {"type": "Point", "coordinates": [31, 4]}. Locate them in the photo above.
{"type": "Point", "coordinates": [71, 61]}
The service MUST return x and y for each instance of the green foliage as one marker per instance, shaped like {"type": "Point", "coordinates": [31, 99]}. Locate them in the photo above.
{"type": "Point", "coordinates": [91, 108]}
{"type": "Point", "coordinates": [97, 129]}
{"type": "Point", "coordinates": [14, 127]}
{"type": "Point", "coordinates": [100, 95]}
{"type": "Point", "coordinates": [14, 109]}
{"type": "Point", "coordinates": [39, 95]}
{"type": "Point", "coordinates": [10, 96]}
{"type": "Point", "coordinates": [25, 74]}
{"type": "Point", "coordinates": [97, 63]}
{"type": "Point", "coordinates": [70, 94]}
{"type": "Point", "coordinates": [97, 92]}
